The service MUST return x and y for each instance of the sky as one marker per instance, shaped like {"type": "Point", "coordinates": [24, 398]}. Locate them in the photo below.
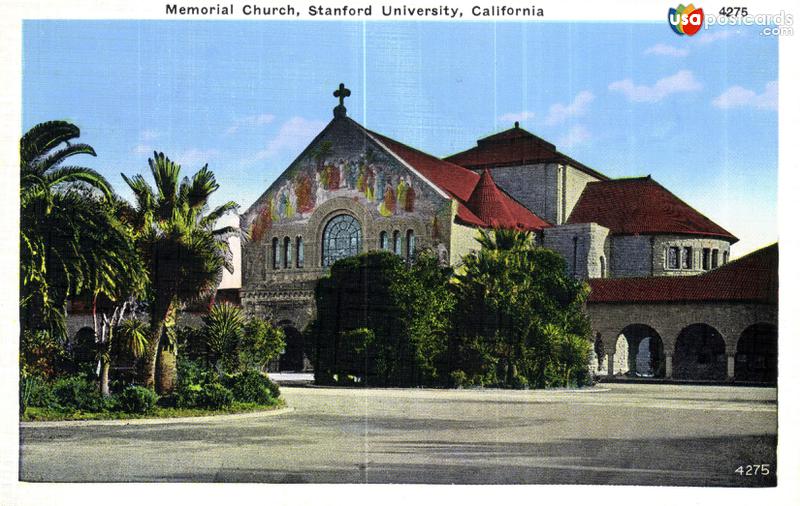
{"type": "Point", "coordinates": [698, 113]}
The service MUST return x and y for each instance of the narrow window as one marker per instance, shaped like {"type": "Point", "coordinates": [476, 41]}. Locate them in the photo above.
{"type": "Point", "coordinates": [287, 253]}
{"type": "Point", "coordinates": [714, 258]}
{"type": "Point", "coordinates": [299, 254]}
{"type": "Point", "coordinates": [276, 253]}
{"type": "Point", "coordinates": [384, 240]}
{"type": "Point", "coordinates": [724, 257]}
{"type": "Point", "coordinates": [687, 258]}
{"type": "Point", "coordinates": [410, 245]}
{"type": "Point", "coordinates": [706, 258]}
{"type": "Point", "coordinates": [397, 243]}
{"type": "Point", "coordinates": [673, 257]}
{"type": "Point", "coordinates": [602, 267]}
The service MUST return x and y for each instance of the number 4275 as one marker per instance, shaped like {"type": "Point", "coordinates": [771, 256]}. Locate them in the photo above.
{"type": "Point", "coordinates": [753, 470]}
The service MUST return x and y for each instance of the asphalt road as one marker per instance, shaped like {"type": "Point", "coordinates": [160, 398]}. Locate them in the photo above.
{"type": "Point", "coordinates": [628, 434]}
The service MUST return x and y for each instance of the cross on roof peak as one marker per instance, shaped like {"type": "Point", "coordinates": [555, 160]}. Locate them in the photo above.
{"type": "Point", "coordinates": [340, 110]}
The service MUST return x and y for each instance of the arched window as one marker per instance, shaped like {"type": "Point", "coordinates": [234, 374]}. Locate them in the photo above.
{"type": "Point", "coordinates": [397, 245]}
{"type": "Point", "coordinates": [724, 257]}
{"type": "Point", "coordinates": [276, 253]}
{"type": "Point", "coordinates": [287, 252]}
{"type": "Point", "coordinates": [341, 239]}
{"type": "Point", "coordinates": [410, 245]}
{"type": "Point", "coordinates": [384, 240]}
{"type": "Point", "coordinates": [299, 253]}
{"type": "Point", "coordinates": [602, 266]}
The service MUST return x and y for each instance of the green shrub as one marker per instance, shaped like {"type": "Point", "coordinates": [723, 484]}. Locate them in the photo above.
{"type": "Point", "coordinates": [78, 393]}
{"type": "Point", "coordinates": [36, 392]}
{"type": "Point", "coordinates": [136, 399]}
{"type": "Point", "coordinates": [214, 396]}
{"type": "Point", "coordinates": [252, 386]}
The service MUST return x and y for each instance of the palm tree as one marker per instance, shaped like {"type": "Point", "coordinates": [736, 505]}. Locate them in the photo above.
{"type": "Point", "coordinates": [52, 259]}
{"type": "Point", "coordinates": [183, 253]}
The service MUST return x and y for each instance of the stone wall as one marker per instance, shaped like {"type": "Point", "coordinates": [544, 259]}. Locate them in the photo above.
{"type": "Point", "coordinates": [535, 186]}
{"type": "Point", "coordinates": [588, 240]}
{"type": "Point", "coordinates": [575, 181]}
{"type": "Point", "coordinates": [646, 255]}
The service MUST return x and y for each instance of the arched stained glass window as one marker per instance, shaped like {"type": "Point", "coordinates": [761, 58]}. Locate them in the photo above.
{"type": "Point", "coordinates": [276, 253]}
{"type": "Point", "coordinates": [341, 239]}
{"type": "Point", "coordinates": [397, 243]}
{"type": "Point", "coordinates": [287, 253]}
{"type": "Point", "coordinates": [300, 254]}
{"type": "Point", "coordinates": [384, 240]}
{"type": "Point", "coordinates": [411, 245]}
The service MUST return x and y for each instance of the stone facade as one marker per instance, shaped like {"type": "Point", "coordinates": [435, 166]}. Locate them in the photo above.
{"type": "Point", "coordinates": [348, 179]}
{"type": "Point", "coordinates": [584, 246]}
{"type": "Point", "coordinates": [550, 190]}
{"type": "Point", "coordinates": [648, 255]}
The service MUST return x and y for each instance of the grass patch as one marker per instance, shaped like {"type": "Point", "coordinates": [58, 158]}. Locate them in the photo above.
{"type": "Point", "coordinates": [49, 414]}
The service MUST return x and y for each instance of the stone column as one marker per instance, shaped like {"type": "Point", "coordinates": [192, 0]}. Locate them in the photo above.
{"type": "Point", "coordinates": [668, 365]}
{"type": "Point", "coordinates": [610, 359]}
{"type": "Point", "coordinates": [731, 365]}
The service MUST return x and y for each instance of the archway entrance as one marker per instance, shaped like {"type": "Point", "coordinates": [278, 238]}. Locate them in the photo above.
{"type": "Point", "coordinates": [645, 352]}
{"type": "Point", "coordinates": [293, 358]}
{"type": "Point", "coordinates": [700, 354]}
{"type": "Point", "coordinates": [757, 354]}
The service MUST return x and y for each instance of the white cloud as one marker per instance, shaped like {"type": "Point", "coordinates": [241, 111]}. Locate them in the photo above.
{"type": "Point", "coordinates": [706, 37]}
{"type": "Point", "coordinates": [295, 134]}
{"type": "Point", "coordinates": [680, 82]}
{"type": "Point", "coordinates": [667, 50]}
{"type": "Point", "coordinates": [559, 113]}
{"type": "Point", "coordinates": [250, 121]}
{"type": "Point", "coordinates": [576, 135]}
{"type": "Point", "coordinates": [736, 96]}
{"type": "Point", "coordinates": [515, 116]}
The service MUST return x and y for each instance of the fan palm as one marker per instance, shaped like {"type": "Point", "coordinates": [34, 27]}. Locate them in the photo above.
{"type": "Point", "coordinates": [184, 254]}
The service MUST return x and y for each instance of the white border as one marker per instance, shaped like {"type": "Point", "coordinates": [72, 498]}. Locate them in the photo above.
{"type": "Point", "coordinates": [14, 492]}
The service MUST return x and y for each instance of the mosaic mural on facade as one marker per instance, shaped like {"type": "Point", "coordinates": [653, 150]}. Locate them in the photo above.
{"type": "Point", "coordinates": [379, 185]}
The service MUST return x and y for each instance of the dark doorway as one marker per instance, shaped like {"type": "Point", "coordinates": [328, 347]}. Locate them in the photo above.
{"type": "Point", "coordinates": [293, 357]}
{"type": "Point", "coordinates": [700, 354]}
{"type": "Point", "coordinates": [757, 354]}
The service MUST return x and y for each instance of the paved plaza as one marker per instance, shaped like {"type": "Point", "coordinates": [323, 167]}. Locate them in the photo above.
{"type": "Point", "coordinates": [615, 434]}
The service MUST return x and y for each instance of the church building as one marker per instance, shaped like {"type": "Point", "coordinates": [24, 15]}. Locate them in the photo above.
{"type": "Point", "coordinates": [354, 190]}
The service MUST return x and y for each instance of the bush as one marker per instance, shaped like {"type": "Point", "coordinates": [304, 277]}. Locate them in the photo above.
{"type": "Point", "coordinates": [252, 386]}
{"type": "Point", "coordinates": [78, 393]}
{"type": "Point", "coordinates": [36, 392]}
{"type": "Point", "coordinates": [214, 396]}
{"type": "Point", "coordinates": [136, 399]}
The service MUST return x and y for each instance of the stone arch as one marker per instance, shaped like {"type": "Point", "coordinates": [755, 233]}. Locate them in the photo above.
{"type": "Point", "coordinates": [327, 211]}
{"type": "Point", "coordinates": [700, 353]}
{"type": "Point", "coordinates": [757, 354]}
{"type": "Point", "coordinates": [645, 351]}
{"type": "Point", "coordinates": [294, 356]}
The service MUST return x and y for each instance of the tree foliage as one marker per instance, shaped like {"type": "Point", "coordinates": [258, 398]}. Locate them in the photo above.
{"type": "Point", "coordinates": [182, 251]}
{"type": "Point", "coordinates": [510, 317]}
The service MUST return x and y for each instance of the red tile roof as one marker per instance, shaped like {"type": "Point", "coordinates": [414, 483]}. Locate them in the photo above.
{"type": "Point", "coordinates": [481, 202]}
{"type": "Point", "coordinates": [641, 206]}
{"type": "Point", "coordinates": [498, 210]}
{"type": "Point", "coordinates": [752, 278]}
{"type": "Point", "coordinates": [515, 146]}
